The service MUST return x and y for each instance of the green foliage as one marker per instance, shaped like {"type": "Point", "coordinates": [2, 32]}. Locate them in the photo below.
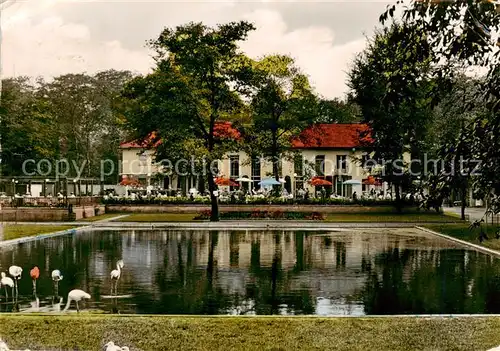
{"type": "Point", "coordinates": [72, 117]}
{"type": "Point", "coordinates": [198, 83]}
{"type": "Point", "coordinates": [390, 82]}
{"type": "Point", "coordinates": [337, 111]}
{"type": "Point", "coordinates": [458, 35]}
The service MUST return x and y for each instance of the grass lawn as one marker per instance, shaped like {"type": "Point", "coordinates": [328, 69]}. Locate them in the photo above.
{"type": "Point", "coordinates": [91, 332]}
{"type": "Point", "coordinates": [390, 217]}
{"type": "Point", "coordinates": [14, 231]}
{"type": "Point", "coordinates": [101, 217]}
{"type": "Point", "coordinates": [462, 231]}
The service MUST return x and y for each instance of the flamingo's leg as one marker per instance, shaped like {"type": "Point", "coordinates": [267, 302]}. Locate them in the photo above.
{"type": "Point", "coordinates": [6, 293]}
{"type": "Point", "coordinates": [77, 308]}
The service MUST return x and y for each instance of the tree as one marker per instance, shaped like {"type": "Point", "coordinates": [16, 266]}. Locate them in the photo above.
{"type": "Point", "coordinates": [27, 127]}
{"type": "Point", "coordinates": [196, 85]}
{"type": "Point", "coordinates": [89, 127]}
{"type": "Point", "coordinates": [337, 111]}
{"type": "Point", "coordinates": [450, 141]}
{"type": "Point", "coordinates": [281, 108]}
{"type": "Point", "coordinates": [459, 34]}
{"type": "Point", "coordinates": [390, 83]}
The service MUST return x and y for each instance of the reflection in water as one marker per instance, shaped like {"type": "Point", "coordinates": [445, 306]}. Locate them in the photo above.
{"type": "Point", "coordinates": [252, 272]}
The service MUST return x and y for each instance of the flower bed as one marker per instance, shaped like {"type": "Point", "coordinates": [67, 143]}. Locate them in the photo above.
{"type": "Point", "coordinates": [257, 214]}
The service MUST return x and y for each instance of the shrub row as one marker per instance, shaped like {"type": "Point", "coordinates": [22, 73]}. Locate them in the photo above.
{"type": "Point", "coordinates": [249, 201]}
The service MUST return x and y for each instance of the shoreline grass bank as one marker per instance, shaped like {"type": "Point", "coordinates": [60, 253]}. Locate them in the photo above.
{"type": "Point", "coordinates": [461, 231]}
{"type": "Point", "coordinates": [91, 332]}
{"type": "Point", "coordinates": [14, 231]}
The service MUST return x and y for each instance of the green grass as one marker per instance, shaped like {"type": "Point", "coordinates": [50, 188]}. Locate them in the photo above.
{"type": "Point", "coordinates": [461, 231]}
{"type": "Point", "coordinates": [91, 332]}
{"type": "Point", "coordinates": [389, 217]}
{"type": "Point", "coordinates": [100, 217]}
{"type": "Point", "coordinates": [15, 231]}
{"type": "Point", "coordinates": [158, 217]}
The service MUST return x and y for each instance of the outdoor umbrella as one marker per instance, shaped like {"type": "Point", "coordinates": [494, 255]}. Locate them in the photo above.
{"type": "Point", "coordinates": [225, 182]}
{"type": "Point", "coordinates": [244, 180]}
{"type": "Point", "coordinates": [269, 181]}
{"type": "Point", "coordinates": [372, 181]}
{"type": "Point", "coordinates": [130, 182]}
{"type": "Point", "coordinates": [320, 182]}
{"type": "Point", "coordinates": [352, 182]}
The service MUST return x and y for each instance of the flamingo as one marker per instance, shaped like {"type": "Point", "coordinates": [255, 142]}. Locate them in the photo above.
{"type": "Point", "coordinates": [56, 278]}
{"type": "Point", "coordinates": [3, 345]}
{"type": "Point", "coordinates": [7, 281]}
{"type": "Point", "coordinates": [76, 295]}
{"type": "Point", "coordinates": [110, 346]}
{"type": "Point", "coordinates": [15, 272]}
{"type": "Point", "coordinates": [35, 274]}
{"type": "Point", "coordinates": [116, 274]}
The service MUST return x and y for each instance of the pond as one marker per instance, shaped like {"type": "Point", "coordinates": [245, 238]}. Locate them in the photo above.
{"type": "Point", "coordinates": [344, 272]}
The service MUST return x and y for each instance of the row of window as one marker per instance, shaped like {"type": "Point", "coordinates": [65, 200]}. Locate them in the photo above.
{"type": "Point", "coordinates": [234, 162]}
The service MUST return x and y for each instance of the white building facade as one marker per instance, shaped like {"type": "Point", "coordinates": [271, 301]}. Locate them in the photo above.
{"type": "Point", "coordinates": [333, 152]}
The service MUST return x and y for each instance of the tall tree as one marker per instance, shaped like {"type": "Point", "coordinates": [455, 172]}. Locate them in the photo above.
{"type": "Point", "coordinates": [281, 107]}
{"type": "Point", "coordinates": [27, 127]}
{"type": "Point", "coordinates": [460, 34]}
{"type": "Point", "coordinates": [337, 111]}
{"type": "Point", "coordinates": [390, 83]}
{"type": "Point", "coordinates": [89, 127]}
{"type": "Point", "coordinates": [197, 84]}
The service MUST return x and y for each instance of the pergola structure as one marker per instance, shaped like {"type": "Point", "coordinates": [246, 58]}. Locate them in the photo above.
{"type": "Point", "coordinates": [51, 186]}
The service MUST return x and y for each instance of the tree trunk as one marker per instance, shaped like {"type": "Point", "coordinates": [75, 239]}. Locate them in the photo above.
{"type": "Point", "coordinates": [463, 195]}
{"type": "Point", "coordinates": [214, 216]}
{"type": "Point", "coordinates": [276, 170]}
{"type": "Point", "coordinates": [397, 189]}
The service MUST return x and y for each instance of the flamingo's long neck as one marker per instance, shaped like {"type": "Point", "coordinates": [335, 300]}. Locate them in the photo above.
{"type": "Point", "coordinates": [67, 305]}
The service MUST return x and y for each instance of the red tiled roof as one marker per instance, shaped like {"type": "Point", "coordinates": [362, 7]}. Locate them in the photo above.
{"type": "Point", "coordinates": [333, 136]}
{"type": "Point", "coordinates": [137, 144]}
{"type": "Point", "coordinates": [222, 130]}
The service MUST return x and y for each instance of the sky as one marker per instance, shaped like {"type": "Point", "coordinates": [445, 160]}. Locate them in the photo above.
{"type": "Point", "coordinates": [52, 37]}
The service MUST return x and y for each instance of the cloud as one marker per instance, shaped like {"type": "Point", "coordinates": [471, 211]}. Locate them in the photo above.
{"type": "Point", "coordinates": [312, 47]}
{"type": "Point", "coordinates": [50, 45]}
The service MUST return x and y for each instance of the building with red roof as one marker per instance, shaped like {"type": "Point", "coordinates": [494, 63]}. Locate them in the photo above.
{"type": "Point", "coordinates": [333, 152]}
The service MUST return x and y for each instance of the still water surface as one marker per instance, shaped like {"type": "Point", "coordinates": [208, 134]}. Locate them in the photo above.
{"type": "Point", "coordinates": [351, 272]}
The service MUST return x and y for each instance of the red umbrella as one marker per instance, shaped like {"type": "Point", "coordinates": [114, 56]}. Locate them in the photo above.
{"type": "Point", "coordinates": [320, 181]}
{"type": "Point", "coordinates": [372, 181]}
{"type": "Point", "coordinates": [130, 182]}
{"type": "Point", "coordinates": [225, 182]}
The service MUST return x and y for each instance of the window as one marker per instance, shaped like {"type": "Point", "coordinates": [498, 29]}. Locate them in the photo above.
{"type": "Point", "coordinates": [368, 162]}
{"type": "Point", "coordinates": [298, 165]}
{"type": "Point", "coordinates": [320, 165]}
{"type": "Point", "coordinates": [342, 162]}
{"type": "Point", "coordinates": [143, 158]}
{"type": "Point", "coordinates": [234, 161]}
{"type": "Point", "coordinates": [256, 172]}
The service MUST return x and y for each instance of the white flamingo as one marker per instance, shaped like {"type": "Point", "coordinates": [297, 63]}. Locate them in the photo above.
{"type": "Point", "coordinates": [116, 274]}
{"type": "Point", "coordinates": [110, 346]}
{"type": "Point", "coordinates": [76, 295]}
{"type": "Point", "coordinates": [56, 278]}
{"type": "Point", "coordinates": [5, 282]}
{"type": "Point", "coordinates": [3, 345]}
{"type": "Point", "coordinates": [16, 272]}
